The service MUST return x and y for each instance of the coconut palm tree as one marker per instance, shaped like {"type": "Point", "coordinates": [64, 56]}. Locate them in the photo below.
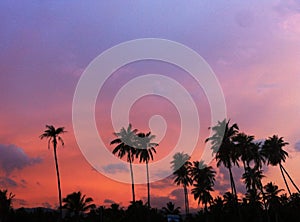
{"type": "Point", "coordinates": [145, 151]}
{"type": "Point", "coordinates": [244, 144]}
{"type": "Point", "coordinates": [203, 181]}
{"type": "Point", "coordinates": [274, 153]}
{"type": "Point", "coordinates": [224, 147]}
{"type": "Point", "coordinates": [5, 204]}
{"type": "Point", "coordinates": [181, 171]}
{"type": "Point", "coordinates": [273, 200]}
{"type": "Point", "coordinates": [126, 146]}
{"type": "Point", "coordinates": [171, 209]}
{"type": "Point", "coordinates": [252, 178]}
{"type": "Point", "coordinates": [54, 136]}
{"type": "Point", "coordinates": [76, 204]}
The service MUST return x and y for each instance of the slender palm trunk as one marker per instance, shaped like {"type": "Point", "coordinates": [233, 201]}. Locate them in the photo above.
{"type": "Point", "coordinates": [148, 184]}
{"type": "Point", "coordinates": [58, 180]}
{"type": "Point", "coordinates": [286, 184]}
{"type": "Point", "coordinates": [233, 189]}
{"type": "Point", "coordinates": [186, 198]}
{"type": "Point", "coordinates": [290, 179]}
{"type": "Point", "coordinates": [132, 181]}
{"type": "Point", "coordinates": [264, 200]}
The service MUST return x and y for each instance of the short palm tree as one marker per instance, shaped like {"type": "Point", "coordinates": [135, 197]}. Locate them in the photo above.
{"type": "Point", "coordinates": [171, 209]}
{"type": "Point", "coordinates": [181, 171]}
{"type": "Point", "coordinates": [126, 146]}
{"type": "Point", "coordinates": [244, 144]}
{"type": "Point", "coordinates": [54, 136]}
{"type": "Point", "coordinates": [5, 204]}
{"type": "Point", "coordinates": [275, 155]}
{"type": "Point", "coordinates": [203, 181]}
{"type": "Point", "coordinates": [145, 150]}
{"type": "Point", "coordinates": [76, 204]}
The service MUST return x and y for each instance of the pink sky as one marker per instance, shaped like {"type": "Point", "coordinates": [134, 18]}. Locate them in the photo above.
{"type": "Point", "coordinates": [252, 47]}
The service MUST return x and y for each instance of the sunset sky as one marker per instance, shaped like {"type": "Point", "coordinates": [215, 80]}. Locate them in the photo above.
{"type": "Point", "coordinates": [253, 47]}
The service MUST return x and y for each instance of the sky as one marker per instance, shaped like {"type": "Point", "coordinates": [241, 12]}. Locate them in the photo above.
{"type": "Point", "coordinates": [253, 48]}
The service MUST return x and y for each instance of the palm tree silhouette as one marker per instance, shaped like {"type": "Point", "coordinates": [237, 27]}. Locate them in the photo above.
{"type": "Point", "coordinates": [224, 147]}
{"type": "Point", "coordinates": [203, 181]}
{"type": "Point", "coordinates": [181, 171]}
{"type": "Point", "coordinates": [76, 204]}
{"type": "Point", "coordinates": [171, 209]}
{"type": "Point", "coordinates": [244, 145]}
{"type": "Point", "coordinates": [273, 199]}
{"type": "Point", "coordinates": [145, 151]}
{"type": "Point", "coordinates": [5, 204]}
{"type": "Point", "coordinates": [53, 136]}
{"type": "Point", "coordinates": [126, 145]}
{"type": "Point", "coordinates": [252, 178]}
{"type": "Point", "coordinates": [273, 151]}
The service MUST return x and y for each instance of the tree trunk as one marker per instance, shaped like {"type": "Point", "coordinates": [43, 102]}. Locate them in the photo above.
{"type": "Point", "coordinates": [132, 181]}
{"type": "Point", "coordinates": [286, 184]}
{"type": "Point", "coordinates": [290, 179]}
{"type": "Point", "coordinates": [186, 200]}
{"type": "Point", "coordinates": [148, 184]}
{"type": "Point", "coordinates": [58, 180]}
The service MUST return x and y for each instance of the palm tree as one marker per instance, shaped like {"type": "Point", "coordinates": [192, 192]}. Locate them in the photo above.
{"type": "Point", "coordinates": [252, 178]}
{"type": "Point", "coordinates": [53, 136]}
{"type": "Point", "coordinates": [126, 145]}
{"type": "Point", "coordinates": [5, 204]}
{"type": "Point", "coordinates": [275, 155]}
{"type": "Point", "coordinates": [273, 199]}
{"type": "Point", "coordinates": [171, 209]}
{"type": "Point", "coordinates": [203, 177]}
{"type": "Point", "coordinates": [77, 204]}
{"type": "Point", "coordinates": [224, 147]}
{"type": "Point", "coordinates": [181, 171]}
{"type": "Point", "coordinates": [145, 151]}
{"type": "Point", "coordinates": [244, 144]}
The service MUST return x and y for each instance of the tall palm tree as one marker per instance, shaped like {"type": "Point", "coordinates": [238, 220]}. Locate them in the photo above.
{"type": "Point", "coordinates": [54, 136]}
{"type": "Point", "coordinates": [274, 153]}
{"type": "Point", "coordinates": [145, 151]}
{"type": "Point", "coordinates": [224, 147]}
{"type": "Point", "coordinates": [76, 204]}
{"type": "Point", "coordinates": [181, 171]}
{"type": "Point", "coordinates": [126, 146]}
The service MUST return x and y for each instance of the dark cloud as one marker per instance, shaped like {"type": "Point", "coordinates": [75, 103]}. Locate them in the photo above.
{"type": "Point", "coordinates": [20, 202]}
{"type": "Point", "coordinates": [161, 184]}
{"type": "Point", "coordinates": [14, 158]}
{"type": "Point", "coordinates": [47, 205]}
{"type": "Point", "coordinates": [115, 168]}
{"type": "Point", "coordinates": [297, 146]}
{"type": "Point", "coordinates": [7, 182]}
{"type": "Point", "coordinates": [108, 201]}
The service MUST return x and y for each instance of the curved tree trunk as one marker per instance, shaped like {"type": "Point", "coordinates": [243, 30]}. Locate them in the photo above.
{"type": "Point", "coordinates": [290, 179]}
{"type": "Point", "coordinates": [148, 184]}
{"type": "Point", "coordinates": [132, 181]}
{"type": "Point", "coordinates": [58, 181]}
{"type": "Point", "coordinates": [286, 184]}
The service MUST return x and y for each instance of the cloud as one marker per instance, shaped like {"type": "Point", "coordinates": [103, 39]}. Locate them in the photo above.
{"type": "Point", "coordinates": [7, 182]}
{"type": "Point", "coordinates": [14, 158]}
{"type": "Point", "coordinates": [20, 202]}
{"type": "Point", "coordinates": [297, 146]}
{"type": "Point", "coordinates": [161, 184]}
{"type": "Point", "coordinates": [109, 201]}
{"type": "Point", "coordinates": [115, 168]}
{"type": "Point", "coordinates": [46, 205]}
